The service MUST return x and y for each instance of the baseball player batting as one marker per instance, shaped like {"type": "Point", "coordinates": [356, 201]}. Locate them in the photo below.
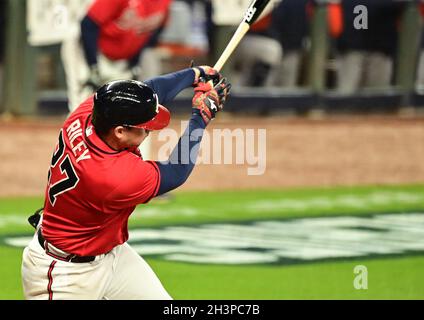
{"type": "Point", "coordinates": [96, 179]}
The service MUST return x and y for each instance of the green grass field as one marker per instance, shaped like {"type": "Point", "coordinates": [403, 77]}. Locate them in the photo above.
{"type": "Point", "coordinates": [399, 276]}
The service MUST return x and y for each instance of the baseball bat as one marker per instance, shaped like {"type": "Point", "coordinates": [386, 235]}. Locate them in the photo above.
{"type": "Point", "coordinates": [252, 14]}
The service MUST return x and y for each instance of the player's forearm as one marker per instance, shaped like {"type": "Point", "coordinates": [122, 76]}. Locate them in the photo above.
{"type": "Point", "coordinates": [170, 85]}
{"type": "Point", "coordinates": [89, 35]}
{"type": "Point", "coordinates": [176, 171]}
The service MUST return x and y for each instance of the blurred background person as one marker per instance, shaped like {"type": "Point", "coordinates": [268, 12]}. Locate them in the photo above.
{"type": "Point", "coordinates": [201, 25]}
{"type": "Point", "coordinates": [290, 27]}
{"type": "Point", "coordinates": [116, 41]}
{"type": "Point", "coordinates": [2, 44]}
{"type": "Point", "coordinates": [367, 51]}
{"type": "Point", "coordinates": [272, 54]}
{"type": "Point", "coordinates": [258, 57]}
{"type": "Point", "coordinates": [420, 70]}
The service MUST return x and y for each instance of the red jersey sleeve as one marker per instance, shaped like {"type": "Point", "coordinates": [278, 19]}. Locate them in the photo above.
{"type": "Point", "coordinates": [104, 11]}
{"type": "Point", "coordinates": [139, 184]}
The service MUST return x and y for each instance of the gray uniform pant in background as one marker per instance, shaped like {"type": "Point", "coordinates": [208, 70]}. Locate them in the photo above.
{"type": "Point", "coordinates": [253, 49]}
{"type": "Point", "coordinates": [288, 73]}
{"type": "Point", "coordinates": [360, 69]}
{"type": "Point", "coordinates": [420, 72]}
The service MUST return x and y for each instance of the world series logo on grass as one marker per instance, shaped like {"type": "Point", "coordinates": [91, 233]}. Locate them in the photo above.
{"type": "Point", "coordinates": [280, 241]}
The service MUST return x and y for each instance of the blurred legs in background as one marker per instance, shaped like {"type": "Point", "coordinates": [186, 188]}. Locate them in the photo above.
{"type": "Point", "coordinates": [289, 71]}
{"type": "Point", "coordinates": [76, 72]}
{"type": "Point", "coordinates": [1, 83]}
{"type": "Point", "coordinates": [257, 59]}
{"type": "Point", "coordinates": [361, 69]}
{"type": "Point", "coordinates": [350, 72]}
{"type": "Point", "coordinates": [420, 72]}
{"type": "Point", "coordinates": [378, 70]}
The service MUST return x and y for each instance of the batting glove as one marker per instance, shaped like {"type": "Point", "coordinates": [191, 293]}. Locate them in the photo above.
{"type": "Point", "coordinates": [210, 100]}
{"type": "Point", "coordinates": [206, 74]}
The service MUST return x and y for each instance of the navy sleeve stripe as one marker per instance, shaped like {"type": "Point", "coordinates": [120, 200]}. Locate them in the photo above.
{"type": "Point", "coordinates": [175, 173]}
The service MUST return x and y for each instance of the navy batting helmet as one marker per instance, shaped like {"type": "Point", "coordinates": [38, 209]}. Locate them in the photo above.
{"type": "Point", "coordinates": [131, 103]}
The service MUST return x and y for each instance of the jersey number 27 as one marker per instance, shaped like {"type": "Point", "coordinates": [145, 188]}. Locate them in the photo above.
{"type": "Point", "coordinates": [64, 163]}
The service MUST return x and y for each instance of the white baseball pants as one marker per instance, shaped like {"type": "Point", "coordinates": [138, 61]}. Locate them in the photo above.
{"type": "Point", "coordinates": [120, 275]}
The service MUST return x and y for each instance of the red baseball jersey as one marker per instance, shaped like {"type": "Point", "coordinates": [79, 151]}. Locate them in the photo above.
{"type": "Point", "coordinates": [127, 25]}
{"type": "Point", "coordinates": [93, 189]}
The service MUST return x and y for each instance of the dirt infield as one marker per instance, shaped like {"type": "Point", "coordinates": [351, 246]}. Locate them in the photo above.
{"type": "Point", "coordinates": [300, 152]}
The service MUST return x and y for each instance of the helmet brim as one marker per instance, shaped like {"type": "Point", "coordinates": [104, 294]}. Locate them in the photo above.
{"type": "Point", "coordinates": [161, 121]}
